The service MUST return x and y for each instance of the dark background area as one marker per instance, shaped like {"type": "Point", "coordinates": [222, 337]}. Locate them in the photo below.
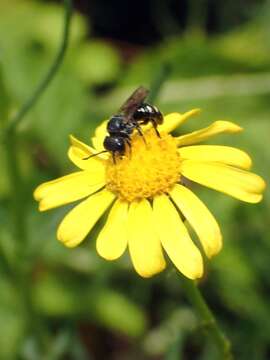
{"type": "Point", "coordinates": [142, 22]}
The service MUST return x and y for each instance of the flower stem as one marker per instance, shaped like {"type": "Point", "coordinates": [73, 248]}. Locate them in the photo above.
{"type": "Point", "coordinates": [30, 102]}
{"type": "Point", "coordinates": [208, 320]}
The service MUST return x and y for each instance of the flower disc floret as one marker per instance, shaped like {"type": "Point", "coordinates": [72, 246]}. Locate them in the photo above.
{"type": "Point", "coordinates": [150, 168]}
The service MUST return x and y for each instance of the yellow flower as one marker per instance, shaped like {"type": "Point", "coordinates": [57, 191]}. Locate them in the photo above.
{"type": "Point", "coordinates": [147, 195]}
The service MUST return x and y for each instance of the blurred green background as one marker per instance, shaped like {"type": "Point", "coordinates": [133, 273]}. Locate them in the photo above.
{"type": "Point", "coordinates": [71, 304]}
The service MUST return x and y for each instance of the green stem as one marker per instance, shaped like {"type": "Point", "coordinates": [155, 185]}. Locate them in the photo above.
{"type": "Point", "coordinates": [21, 270]}
{"type": "Point", "coordinates": [10, 140]}
{"type": "Point", "coordinates": [207, 318]}
{"type": "Point", "coordinates": [158, 82]}
{"type": "Point", "coordinates": [30, 102]}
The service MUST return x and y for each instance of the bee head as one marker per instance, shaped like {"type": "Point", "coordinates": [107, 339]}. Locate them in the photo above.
{"type": "Point", "coordinates": [114, 144]}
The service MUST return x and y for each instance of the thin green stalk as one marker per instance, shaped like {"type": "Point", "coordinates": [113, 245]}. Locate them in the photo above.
{"type": "Point", "coordinates": [10, 141]}
{"type": "Point", "coordinates": [30, 102]}
{"type": "Point", "coordinates": [22, 269]}
{"type": "Point", "coordinates": [158, 82]}
{"type": "Point", "coordinates": [208, 321]}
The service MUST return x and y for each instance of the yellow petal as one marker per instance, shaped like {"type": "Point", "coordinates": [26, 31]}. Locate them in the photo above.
{"type": "Point", "coordinates": [218, 127]}
{"type": "Point", "coordinates": [173, 120]}
{"type": "Point", "coordinates": [68, 188]}
{"type": "Point", "coordinates": [100, 133]}
{"type": "Point", "coordinates": [80, 220]}
{"type": "Point", "coordinates": [86, 150]}
{"type": "Point", "coordinates": [112, 240]}
{"type": "Point", "coordinates": [224, 154]}
{"type": "Point", "coordinates": [238, 183]}
{"type": "Point", "coordinates": [199, 217]}
{"type": "Point", "coordinates": [79, 151]}
{"type": "Point", "coordinates": [175, 238]}
{"type": "Point", "coordinates": [144, 245]}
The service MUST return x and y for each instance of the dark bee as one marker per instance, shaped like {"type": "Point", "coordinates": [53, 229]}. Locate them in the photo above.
{"type": "Point", "coordinates": [132, 114]}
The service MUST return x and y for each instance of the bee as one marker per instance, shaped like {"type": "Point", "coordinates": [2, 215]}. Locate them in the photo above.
{"type": "Point", "coordinates": [131, 115]}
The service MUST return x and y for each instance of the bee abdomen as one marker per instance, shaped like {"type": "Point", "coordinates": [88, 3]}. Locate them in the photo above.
{"type": "Point", "coordinates": [147, 112]}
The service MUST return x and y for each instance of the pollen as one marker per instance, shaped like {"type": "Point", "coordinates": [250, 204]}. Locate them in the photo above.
{"type": "Point", "coordinates": [148, 168]}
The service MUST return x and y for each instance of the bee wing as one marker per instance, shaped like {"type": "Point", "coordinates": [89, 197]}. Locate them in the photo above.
{"type": "Point", "coordinates": [133, 102]}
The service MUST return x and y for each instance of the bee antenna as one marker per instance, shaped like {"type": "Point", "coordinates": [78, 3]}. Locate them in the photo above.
{"type": "Point", "coordinates": [101, 152]}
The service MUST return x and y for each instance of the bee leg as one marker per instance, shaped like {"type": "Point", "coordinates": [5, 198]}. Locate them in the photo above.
{"type": "Point", "coordinates": [138, 128]}
{"type": "Point", "coordinates": [154, 123]}
{"type": "Point", "coordinates": [129, 146]}
{"type": "Point", "coordinates": [113, 156]}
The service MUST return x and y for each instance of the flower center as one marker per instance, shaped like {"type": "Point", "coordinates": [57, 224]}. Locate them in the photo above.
{"type": "Point", "coordinates": [150, 168]}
